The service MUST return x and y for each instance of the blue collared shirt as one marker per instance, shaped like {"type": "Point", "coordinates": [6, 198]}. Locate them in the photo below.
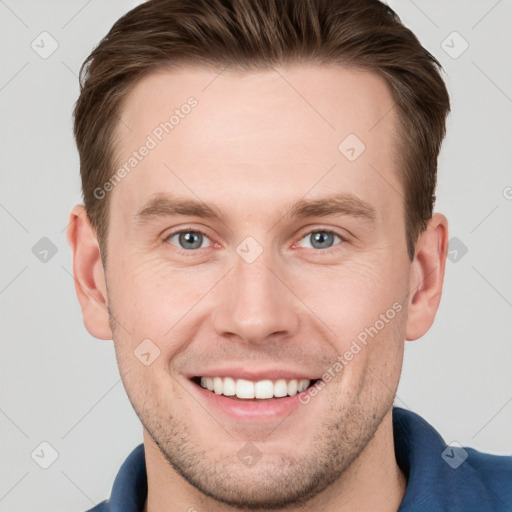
{"type": "Point", "coordinates": [439, 477]}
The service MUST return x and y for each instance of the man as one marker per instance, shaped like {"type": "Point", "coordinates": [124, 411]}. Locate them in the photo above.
{"type": "Point", "coordinates": [258, 239]}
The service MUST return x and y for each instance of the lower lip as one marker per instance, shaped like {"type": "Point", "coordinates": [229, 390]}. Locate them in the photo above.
{"type": "Point", "coordinates": [251, 410]}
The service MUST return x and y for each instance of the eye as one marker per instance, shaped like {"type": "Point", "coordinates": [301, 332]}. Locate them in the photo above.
{"type": "Point", "coordinates": [190, 239]}
{"type": "Point", "coordinates": [321, 239]}
{"type": "Point", "coordinates": [187, 239]}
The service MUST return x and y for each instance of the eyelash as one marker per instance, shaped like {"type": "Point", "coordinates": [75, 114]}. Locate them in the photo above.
{"type": "Point", "coordinates": [304, 234]}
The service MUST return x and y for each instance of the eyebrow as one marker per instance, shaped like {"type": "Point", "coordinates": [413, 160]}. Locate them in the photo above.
{"type": "Point", "coordinates": [165, 205]}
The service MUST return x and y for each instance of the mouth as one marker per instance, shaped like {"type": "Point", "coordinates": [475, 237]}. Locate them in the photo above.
{"type": "Point", "coordinates": [253, 391]}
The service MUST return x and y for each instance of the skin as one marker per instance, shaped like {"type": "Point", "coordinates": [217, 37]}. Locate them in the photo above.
{"type": "Point", "coordinates": [251, 147]}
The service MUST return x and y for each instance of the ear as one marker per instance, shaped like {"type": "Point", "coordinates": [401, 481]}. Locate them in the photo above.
{"type": "Point", "coordinates": [90, 284]}
{"type": "Point", "coordinates": [427, 276]}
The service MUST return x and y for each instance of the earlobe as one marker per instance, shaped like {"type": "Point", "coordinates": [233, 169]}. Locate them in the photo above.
{"type": "Point", "coordinates": [89, 274]}
{"type": "Point", "coordinates": [427, 276]}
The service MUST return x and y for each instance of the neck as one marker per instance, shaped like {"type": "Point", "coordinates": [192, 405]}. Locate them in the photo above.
{"type": "Point", "coordinates": [372, 482]}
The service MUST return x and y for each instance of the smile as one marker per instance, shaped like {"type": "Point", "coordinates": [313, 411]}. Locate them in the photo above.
{"type": "Point", "coordinates": [247, 390]}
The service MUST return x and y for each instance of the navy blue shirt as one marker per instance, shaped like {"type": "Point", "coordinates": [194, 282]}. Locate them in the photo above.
{"type": "Point", "coordinates": [439, 477]}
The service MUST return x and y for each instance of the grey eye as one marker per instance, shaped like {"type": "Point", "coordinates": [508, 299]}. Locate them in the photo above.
{"type": "Point", "coordinates": [188, 239]}
{"type": "Point", "coordinates": [321, 239]}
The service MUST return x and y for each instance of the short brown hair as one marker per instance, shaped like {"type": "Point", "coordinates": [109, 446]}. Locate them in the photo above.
{"type": "Point", "coordinates": [255, 35]}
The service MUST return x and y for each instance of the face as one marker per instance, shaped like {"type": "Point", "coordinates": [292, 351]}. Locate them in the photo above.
{"type": "Point", "coordinates": [253, 242]}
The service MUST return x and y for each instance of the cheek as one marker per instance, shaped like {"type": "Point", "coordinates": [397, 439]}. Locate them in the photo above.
{"type": "Point", "coordinates": [362, 305]}
{"type": "Point", "coordinates": [155, 306]}
{"type": "Point", "coordinates": [150, 296]}
{"type": "Point", "coordinates": [352, 296]}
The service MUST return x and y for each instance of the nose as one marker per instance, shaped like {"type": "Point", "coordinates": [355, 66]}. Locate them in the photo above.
{"type": "Point", "coordinates": [256, 305]}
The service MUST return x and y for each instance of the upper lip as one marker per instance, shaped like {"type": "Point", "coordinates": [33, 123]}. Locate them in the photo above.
{"type": "Point", "coordinates": [254, 375]}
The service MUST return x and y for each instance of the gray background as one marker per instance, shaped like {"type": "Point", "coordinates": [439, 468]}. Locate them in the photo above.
{"type": "Point", "coordinates": [61, 386]}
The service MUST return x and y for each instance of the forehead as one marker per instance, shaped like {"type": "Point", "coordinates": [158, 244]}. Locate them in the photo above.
{"type": "Point", "coordinates": [233, 137]}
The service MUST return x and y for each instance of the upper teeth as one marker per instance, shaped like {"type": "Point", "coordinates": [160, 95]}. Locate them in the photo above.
{"type": "Point", "coordinates": [247, 389]}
